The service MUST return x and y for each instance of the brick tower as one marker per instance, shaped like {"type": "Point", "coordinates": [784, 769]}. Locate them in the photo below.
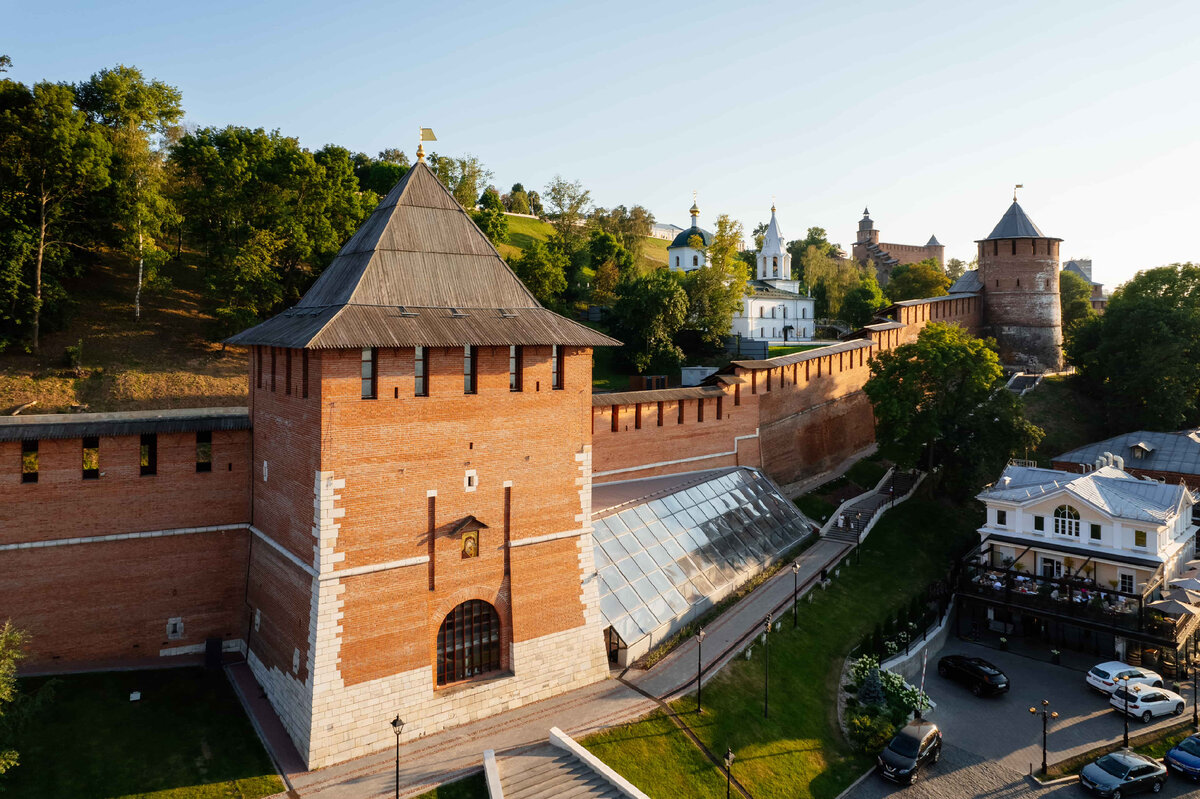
{"type": "Point", "coordinates": [422, 488]}
{"type": "Point", "coordinates": [1018, 269]}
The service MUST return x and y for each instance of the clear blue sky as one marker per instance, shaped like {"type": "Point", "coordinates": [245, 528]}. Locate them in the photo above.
{"type": "Point", "coordinates": [927, 112]}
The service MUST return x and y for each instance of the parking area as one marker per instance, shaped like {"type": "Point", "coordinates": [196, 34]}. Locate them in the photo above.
{"type": "Point", "coordinates": [991, 743]}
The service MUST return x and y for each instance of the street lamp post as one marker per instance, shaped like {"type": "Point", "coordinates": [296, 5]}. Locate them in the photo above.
{"type": "Point", "coordinates": [795, 592]}
{"type": "Point", "coordinates": [699, 668]}
{"type": "Point", "coordinates": [397, 727]}
{"type": "Point", "coordinates": [767, 666]}
{"type": "Point", "coordinates": [728, 770]}
{"type": "Point", "coordinates": [1047, 714]}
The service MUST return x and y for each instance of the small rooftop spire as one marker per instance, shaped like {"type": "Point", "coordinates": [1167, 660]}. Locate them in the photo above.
{"type": "Point", "coordinates": [1018, 186]}
{"type": "Point", "coordinates": [866, 212]}
{"type": "Point", "coordinates": [695, 210]}
{"type": "Point", "coordinates": [425, 135]}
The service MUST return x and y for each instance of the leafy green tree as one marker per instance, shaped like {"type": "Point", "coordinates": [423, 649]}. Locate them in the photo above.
{"type": "Point", "coordinates": [605, 248]}
{"type": "Point", "coordinates": [51, 160]}
{"type": "Point", "coordinates": [568, 202]}
{"type": "Point", "coordinates": [941, 399]}
{"type": "Point", "coordinates": [465, 177]}
{"type": "Point", "coordinates": [870, 693]}
{"type": "Point", "coordinates": [543, 271]}
{"type": "Point", "coordinates": [136, 113]}
{"type": "Point", "coordinates": [630, 226]}
{"type": "Point", "coordinates": [815, 237]}
{"type": "Point", "coordinates": [863, 301]}
{"type": "Point", "coordinates": [12, 649]}
{"type": "Point", "coordinates": [715, 290]}
{"type": "Point", "coordinates": [650, 310]}
{"type": "Point", "coordinates": [491, 199]}
{"type": "Point", "coordinates": [829, 279]}
{"type": "Point", "coordinates": [380, 177]}
{"type": "Point", "coordinates": [759, 234]}
{"type": "Point", "coordinates": [535, 203]}
{"type": "Point", "coordinates": [1075, 296]}
{"type": "Point", "coordinates": [955, 268]}
{"type": "Point", "coordinates": [492, 222]}
{"type": "Point", "coordinates": [518, 200]}
{"type": "Point", "coordinates": [917, 281]}
{"type": "Point", "coordinates": [1140, 355]}
{"type": "Point", "coordinates": [392, 155]}
{"type": "Point", "coordinates": [249, 286]}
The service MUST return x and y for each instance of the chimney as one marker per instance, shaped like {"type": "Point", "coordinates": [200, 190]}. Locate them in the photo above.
{"type": "Point", "coordinates": [1005, 480]}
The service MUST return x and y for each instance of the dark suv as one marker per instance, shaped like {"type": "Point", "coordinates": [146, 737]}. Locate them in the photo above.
{"type": "Point", "coordinates": [918, 744]}
{"type": "Point", "coordinates": [976, 673]}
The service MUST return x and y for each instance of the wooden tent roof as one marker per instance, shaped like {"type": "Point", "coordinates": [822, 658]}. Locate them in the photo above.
{"type": "Point", "coordinates": [419, 272]}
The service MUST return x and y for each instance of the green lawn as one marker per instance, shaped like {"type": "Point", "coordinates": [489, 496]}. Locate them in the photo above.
{"type": "Point", "coordinates": [473, 787]}
{"type": "Point", "coordinates": [775, 352]}
{"type": "Point", "coordinates": [1069, 417]}
{"type": "Point", "coordinates": [523, 231]}
{"type": "Point", "coordinates": [798, 751]}
{"type": "Point", "coordinates": [188, 738]}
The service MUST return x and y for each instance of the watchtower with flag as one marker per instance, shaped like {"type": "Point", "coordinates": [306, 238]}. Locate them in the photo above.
{"type": "Point", "coordinates": [422, 487]}
{"type": "Point", "coordinates": [1018, 273]}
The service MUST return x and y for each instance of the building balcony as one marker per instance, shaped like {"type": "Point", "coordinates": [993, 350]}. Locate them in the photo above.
{"type": "Point", "coordinates": [1074, 599]}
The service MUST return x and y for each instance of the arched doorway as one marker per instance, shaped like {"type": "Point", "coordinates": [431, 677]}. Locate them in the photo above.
{"type": "Point", "coordinates": [468, 642]}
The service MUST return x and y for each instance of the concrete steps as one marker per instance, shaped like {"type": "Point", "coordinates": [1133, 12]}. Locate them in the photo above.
{"type": "Point", "coordinates": [552, 773]}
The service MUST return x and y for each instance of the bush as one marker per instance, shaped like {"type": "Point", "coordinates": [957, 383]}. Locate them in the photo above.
{"type": "Point", "coordinates": [871, 691]}
{"type": "Point", "coordinates": [868, 733]}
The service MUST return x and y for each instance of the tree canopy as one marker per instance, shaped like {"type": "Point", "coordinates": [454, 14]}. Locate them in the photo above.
{"type": "Point", "coordinates": [650, 310]}
{"type": "Point", "coordinates": [829, 279]}
{"type": "Point", "coordinates": [1075, 295]}
{"type": "Point", "coordinates": [863, 301]}
{"type": "Point", "coordinates": [543, 271]}
{"type": "Point", "coordinates": [1140, 355]}
{"type": "Point", "coordinates": [940, 401]}
{"type": "Point", "coordinates": [917, 281]}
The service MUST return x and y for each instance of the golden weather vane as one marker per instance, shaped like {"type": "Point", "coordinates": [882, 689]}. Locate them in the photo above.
{"type": "Point", "coordinates": [426, 134]}
{"type": "Point", "coordinates": [1018, 186]}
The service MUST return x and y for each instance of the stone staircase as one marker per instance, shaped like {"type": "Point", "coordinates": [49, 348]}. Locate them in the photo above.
{"type": "Point", "coordinates": [552, 773]}
{"type": "Point", "coordinates": [858, 515]}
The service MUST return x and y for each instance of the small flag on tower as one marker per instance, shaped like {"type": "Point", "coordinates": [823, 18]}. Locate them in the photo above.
{"type": "Point", "coordinates": [1018, 186]}
{"type": "Point", "coordinates": [426, 135]}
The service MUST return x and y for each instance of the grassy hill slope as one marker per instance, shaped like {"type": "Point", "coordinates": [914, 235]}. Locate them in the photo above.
{"type": "Point", "coordinates": [523, 231]}
{"type": "Point", "coordinates": [164, 361]}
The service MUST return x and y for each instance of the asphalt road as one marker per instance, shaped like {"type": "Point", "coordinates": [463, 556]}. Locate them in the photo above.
{"type": "Point", "coordinates": [991, 743]}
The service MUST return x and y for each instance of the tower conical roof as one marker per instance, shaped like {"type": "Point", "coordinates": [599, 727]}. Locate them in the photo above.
{"type": "Point", "coordinates": [1015, 224]}
{"type": "Point", "coordinates": [419, 272]}
{"type": "Point", "coordinates": [773, 239]}
{"type": "Point", "coordinates": [933, 242]}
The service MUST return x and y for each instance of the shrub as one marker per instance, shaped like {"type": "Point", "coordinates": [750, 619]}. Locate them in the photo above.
{"type": "Point", "coordinates": [871, 691]}
{"type": "Point", "coordinates": [869, 733]}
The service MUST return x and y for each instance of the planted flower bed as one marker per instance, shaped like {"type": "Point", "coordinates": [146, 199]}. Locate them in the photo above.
{"type": "Point", "coordinates": [877, 703]}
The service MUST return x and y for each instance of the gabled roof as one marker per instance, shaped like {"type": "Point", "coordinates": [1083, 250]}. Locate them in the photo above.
{"type": "Point", "coordinates": [419, 272]}
{"type": "Point", "coordinates": [1016, 225]}
{"type": "Point", "coordinates": [1108, 489]}
{"type": "Point", "coordinates": [968, 283]}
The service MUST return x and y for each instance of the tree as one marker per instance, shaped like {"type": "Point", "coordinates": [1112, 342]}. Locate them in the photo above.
{"type": "Point", "coordinates": [870, 693]}
{"type": "Point", "coordinates": [715, 290]}
{"type": "Point", "coordinates": [1075, 296]}
{"type": "Point", "coordinates": [917, 281]}
{"type": "Point", "coordinates": [1140, 355]}
{"type": "Point", "coordinates": [392, 155]}
{"type": "Point", "coordinates": [543, 272]}
{"type": "Point", "coordinates": [955, 268]}
{"type": "Point", "coordinates": [829, 279]}
{"type": "Point", "coordinates": [759, 233]}
{"type": "Point", "coordinates": [51, 159]}
{"type": "Point", "coordinates": [630, 226]}
{"type": "Point", "coordinates": [248, 287]}
{"type": "Point", "coordinates": [815, 237]}
{"type": "Point", "coordinates": [12, 649]}
{"type": "Point", "coordinates": [492, 222]}
{"type": "Point", "coordinates": [863, 301]}
{"type": "Point", "coordinates": [518, 200]}
{"type": "Point", "coordinates": [649, 311]}
{"type": "Point", "coordinates": [134, 206]}
{"type": "Point", "coordinates": [490, 199]}
{"type": "Point", "coordinates": [941, 399]}
{"type": "Point", "coordinates": [535, 203]}
{"type": "Point", "coordinates": [568, 202]}
{"type": "Point", "coordinates": [5, 63]}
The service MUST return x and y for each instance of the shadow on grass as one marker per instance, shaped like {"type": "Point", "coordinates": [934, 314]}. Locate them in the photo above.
{"type": "Point", "coordinates": [187, 736]}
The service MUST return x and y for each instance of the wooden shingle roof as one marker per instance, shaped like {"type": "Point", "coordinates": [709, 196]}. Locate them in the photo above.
{"type": "Point", "coordinates": [419, 272]}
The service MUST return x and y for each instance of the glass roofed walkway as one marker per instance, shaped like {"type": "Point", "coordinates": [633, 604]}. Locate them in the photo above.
{"type": "Point", "coordinates": [668, 548]}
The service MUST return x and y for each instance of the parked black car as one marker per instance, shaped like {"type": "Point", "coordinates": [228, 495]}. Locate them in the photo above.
{"type": "Point", "coordinates": [918, 744]}
{"type": "Point", "coordinates": [1123, 773]}
{"type": "Point", "coordinates": [981, 677]}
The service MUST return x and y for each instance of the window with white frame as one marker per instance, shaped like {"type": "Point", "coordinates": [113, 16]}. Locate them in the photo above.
{"type": "Point", "coordinates": [1066, 521]}
{"type": "Point", "coordinates": [1127, 582]}
{"type": "Point", "coordinates": [1052, 567]}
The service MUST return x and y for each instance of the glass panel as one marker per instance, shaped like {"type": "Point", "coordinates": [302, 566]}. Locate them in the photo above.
{"type": "Point", "coordinates": [678, 604]}
{"type": "Point", "coordinates": [662, 611]}
{"type": "Point", "coordinates": [644, 589]}
{"type": "Point", "coordinates": [659, 555]}
{"type": "Point", "coordinates": [628, 597]}
{"type": "Point", "coordinates": [644, 537]}
{"type": "Point", "coordinates": [645, 562]}
{"type": "Point", "coordinates": [659, 581]}
{"type": "Point", "coordinates": [630, 570]}
{"type": "Point", "coordinates": [645, 619]}
{"type": "Point", "coordinates": [629, 543]}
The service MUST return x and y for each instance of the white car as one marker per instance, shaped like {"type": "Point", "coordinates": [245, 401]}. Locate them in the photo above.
{"type": "Point", "coordinates": [1145, 702]}
{"type": "Point", "coordinates": [1107, 677]}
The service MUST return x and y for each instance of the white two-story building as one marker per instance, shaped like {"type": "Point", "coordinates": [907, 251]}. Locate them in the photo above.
{"type": "Point", "coordinates": [1074, 557]}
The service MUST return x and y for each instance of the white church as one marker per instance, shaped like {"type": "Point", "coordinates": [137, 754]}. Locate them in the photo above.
{"type": "Point", "coordinates": [773, 308]}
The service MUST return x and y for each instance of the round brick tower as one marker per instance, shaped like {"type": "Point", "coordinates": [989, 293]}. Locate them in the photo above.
{"type": "Point", "coordinates": [1018, 267]}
